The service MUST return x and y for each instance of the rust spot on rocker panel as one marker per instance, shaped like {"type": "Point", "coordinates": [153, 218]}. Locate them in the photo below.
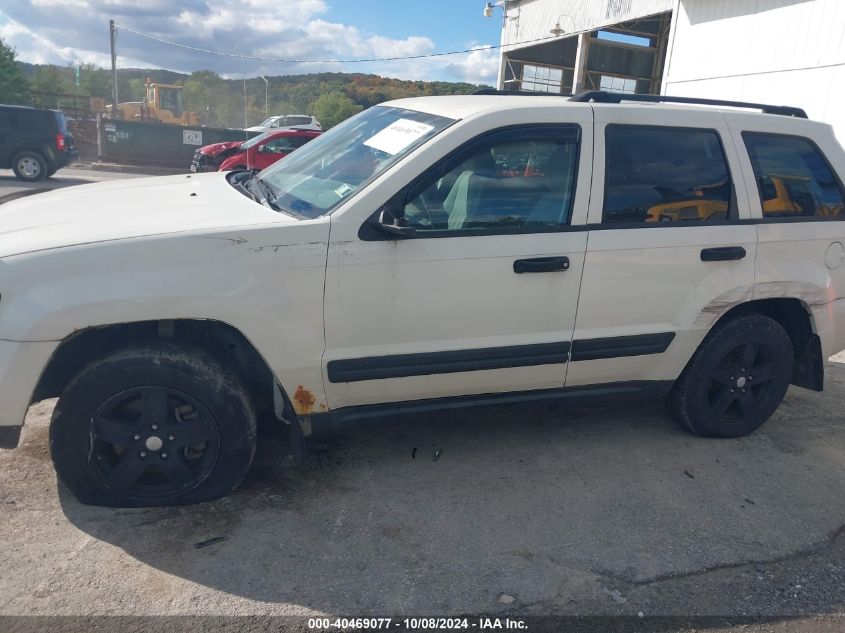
{"type": "Point", "coordinates": [303, 400]}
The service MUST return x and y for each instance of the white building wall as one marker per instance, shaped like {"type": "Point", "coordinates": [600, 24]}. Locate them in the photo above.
{"type": "Point", "coordinates": [788, 52]}
{"type": "Point", "coordinates": [533, 19]}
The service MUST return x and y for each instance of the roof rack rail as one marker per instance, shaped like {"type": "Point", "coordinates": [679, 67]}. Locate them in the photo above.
{"type": "Point", "coordinates": [600, 96]}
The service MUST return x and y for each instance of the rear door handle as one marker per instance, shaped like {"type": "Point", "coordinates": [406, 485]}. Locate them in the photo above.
{"type": "Point", "coordinates": [541, 265]}
{"type": "Point", "coordinates": [722, 254]}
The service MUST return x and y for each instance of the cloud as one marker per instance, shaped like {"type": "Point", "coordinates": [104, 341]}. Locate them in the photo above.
{"type": "Point", "coordinates": [479, 67]}
{"type": "Point", "coordinates": [69, 31]}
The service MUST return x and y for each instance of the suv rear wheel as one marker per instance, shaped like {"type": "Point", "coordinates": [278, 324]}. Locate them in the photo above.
{"type": "Point", "coordinates": [153, 426]}
{"type": "Point", "coordinates": [736, 379]}
{"type": "Point", "coordinates": [29, 166]}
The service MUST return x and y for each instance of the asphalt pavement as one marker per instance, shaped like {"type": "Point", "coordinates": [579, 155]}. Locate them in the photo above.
{"type": "Point", "coordinates": [590, 508]}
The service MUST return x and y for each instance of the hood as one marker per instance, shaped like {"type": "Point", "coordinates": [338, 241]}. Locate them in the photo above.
{"type": "Point", "coordinates": [117, 210]}
{"type": "Point", "coordinates": [217, 148]}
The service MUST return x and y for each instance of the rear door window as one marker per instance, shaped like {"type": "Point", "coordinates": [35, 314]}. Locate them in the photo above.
{"type": "Point", "coordinates": [660, 175]}
{"type": "Point", "coordinates": [793, 177]}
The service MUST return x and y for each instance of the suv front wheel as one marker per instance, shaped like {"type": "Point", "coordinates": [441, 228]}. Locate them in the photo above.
{"type": "Point", "coordinates": [736, 379]}
{"type": "Point", "coordinates": [29, 166]}
{"type": "Point", "coordinates": [153, 426]}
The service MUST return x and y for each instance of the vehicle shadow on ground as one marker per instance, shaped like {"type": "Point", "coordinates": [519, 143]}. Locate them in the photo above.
{"type": "Point", "coordinates": [445, 513]}
{"type": "Point", "coordinates": [53, 182]}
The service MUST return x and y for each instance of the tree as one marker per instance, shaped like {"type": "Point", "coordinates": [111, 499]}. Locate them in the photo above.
{"type": "Point", "coordinates": [14, 88]}
{"type": "Point", "coordinates": [95, 81]}
{"type": "Point", "coordinates": [47, 84]}
{"type": "Point", "coordinates": [331, 108]}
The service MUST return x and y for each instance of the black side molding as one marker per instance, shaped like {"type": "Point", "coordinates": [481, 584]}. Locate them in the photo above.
{"type": "Point", "coordinates": [401, 365]}
{"type": "Point", "coordinates": [10, 436]}
{"type": "Point", "coordinates": [618, 346]}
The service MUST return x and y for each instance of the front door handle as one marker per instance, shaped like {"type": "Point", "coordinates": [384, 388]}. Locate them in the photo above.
{"type": "Point", "coordinates": [722, 254]}
{"type": "Point", "coordinates": [541, 265]}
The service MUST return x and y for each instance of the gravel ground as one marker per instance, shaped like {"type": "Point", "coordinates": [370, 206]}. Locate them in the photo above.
{"type": "Point", "coordinates": [589, 508]}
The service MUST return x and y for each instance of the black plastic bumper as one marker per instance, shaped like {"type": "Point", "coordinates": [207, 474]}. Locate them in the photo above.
{"type": "Point", "coordinates": [9, 436]}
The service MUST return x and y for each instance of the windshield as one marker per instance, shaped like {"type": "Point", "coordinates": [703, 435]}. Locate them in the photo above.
{"type": "Point", "coordinates": [267, 122]}
{"type": "Point", "coordinates": [319, 176]}
{"type": "Point", "coordinates": [255, 140]}
{"type": "Point", "coordinates": [171, 99]}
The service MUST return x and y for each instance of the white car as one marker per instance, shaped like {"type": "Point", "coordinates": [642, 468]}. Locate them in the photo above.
{"type": "Point", "coordinates": [427, 253]}
{"type": "Point", "coordinates": [298, 121]}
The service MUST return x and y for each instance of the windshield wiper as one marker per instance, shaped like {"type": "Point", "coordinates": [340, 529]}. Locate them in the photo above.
{"type": "Point", "coordinates": [263, 192]}
{"type": "Point", "coordinates": [242, 186]}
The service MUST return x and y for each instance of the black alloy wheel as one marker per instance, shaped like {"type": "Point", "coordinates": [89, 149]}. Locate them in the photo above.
{"type": "Point", "coordinates": [154, 441]}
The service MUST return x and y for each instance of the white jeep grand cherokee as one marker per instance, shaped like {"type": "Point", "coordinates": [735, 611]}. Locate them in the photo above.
{"type": "Point", "coordinates": [427, 253]}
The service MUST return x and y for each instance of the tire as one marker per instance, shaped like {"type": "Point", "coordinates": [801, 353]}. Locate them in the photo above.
{"type": "Point", "coordinates": [718, 393]}
{"type": "Point", "coordinates": [157, 425]}
{"type": "Point", "coordinates": [29, 166]}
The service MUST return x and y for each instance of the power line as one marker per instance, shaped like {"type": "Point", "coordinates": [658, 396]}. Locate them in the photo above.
{"type": "Point", "coordinates": [332, 61]}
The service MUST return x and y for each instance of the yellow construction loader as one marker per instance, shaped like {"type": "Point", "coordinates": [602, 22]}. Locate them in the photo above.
{"type": "Point", "coordinates": [162, 103]}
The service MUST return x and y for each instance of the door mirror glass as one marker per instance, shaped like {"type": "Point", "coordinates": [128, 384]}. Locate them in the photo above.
{"type": "Point", "coordinates": [390, 224]}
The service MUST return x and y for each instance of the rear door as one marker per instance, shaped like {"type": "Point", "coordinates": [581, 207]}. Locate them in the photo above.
{"type": "Point", "coordinates": [667, 253]}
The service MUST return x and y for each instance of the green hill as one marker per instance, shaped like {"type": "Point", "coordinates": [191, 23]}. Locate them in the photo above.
{"type": "Point", "coordinates": [329, 96]}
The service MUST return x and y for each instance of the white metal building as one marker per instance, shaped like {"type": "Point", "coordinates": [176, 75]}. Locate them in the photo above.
{"type": "Point", "coordinates": [789, 52]}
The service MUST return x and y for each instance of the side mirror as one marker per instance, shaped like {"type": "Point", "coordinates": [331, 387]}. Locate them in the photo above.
{"type": "Point", "coordinates": [389, 223]}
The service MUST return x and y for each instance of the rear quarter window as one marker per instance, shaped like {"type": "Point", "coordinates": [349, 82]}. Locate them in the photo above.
{"type": "Point", "coordinates": [34, 121]}
{"type": "Point", "coordinates": [794, 179]}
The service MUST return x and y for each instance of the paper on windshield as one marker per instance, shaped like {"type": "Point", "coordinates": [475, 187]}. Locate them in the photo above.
{"type": "Point", "coordinates": [398, 135]}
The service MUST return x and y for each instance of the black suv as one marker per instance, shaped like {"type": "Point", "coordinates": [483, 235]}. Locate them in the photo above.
{"type": "Point", "coordinates": [35, 143]}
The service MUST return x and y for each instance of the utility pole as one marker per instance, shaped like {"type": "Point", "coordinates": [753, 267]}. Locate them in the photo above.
{"type": "Point", "coordinates": [266, 93]}
{"type": "Point", "coordinates": [112, 40]}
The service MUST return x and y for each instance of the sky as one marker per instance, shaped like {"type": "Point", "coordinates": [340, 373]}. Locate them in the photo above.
{"type": "Point", "coordinates": [76, 31]}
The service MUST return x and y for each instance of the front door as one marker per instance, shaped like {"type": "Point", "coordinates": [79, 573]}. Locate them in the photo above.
{"type": "Point", "coordinates": [482, 299]}
{"type": "Point", "coordinates": [271, 151]}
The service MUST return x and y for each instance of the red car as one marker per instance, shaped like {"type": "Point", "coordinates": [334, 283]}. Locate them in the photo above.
{"type": "Point", "coordinates": [209, 157]}
{"type": "Point", "coordinates": [262, 151]}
